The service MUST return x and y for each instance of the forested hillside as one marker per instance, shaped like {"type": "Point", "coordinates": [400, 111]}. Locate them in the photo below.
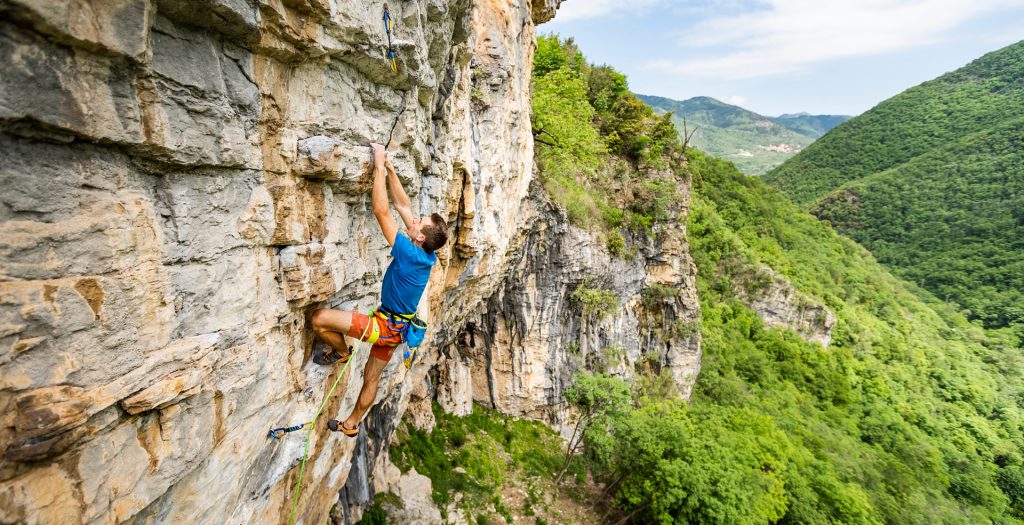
{"type": "Point", "coordinates": [931, 181]}
{"type": "Point", "coordinates": [951, 220]}
{"type": "Point", "coordinates": [911, 416]}
{"type": "Point", "coordinates": [755, 143]}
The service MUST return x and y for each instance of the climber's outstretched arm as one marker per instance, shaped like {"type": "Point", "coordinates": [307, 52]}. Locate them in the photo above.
{"type": "Point", "coordinates": [380, 198]}
{"type": "Point", "coordinates": [398, 196]}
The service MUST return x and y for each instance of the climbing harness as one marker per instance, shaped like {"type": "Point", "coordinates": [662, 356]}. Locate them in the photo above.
{"type": "Point", "coordinates": [278, 433]}
{"type": "Point", "coordinates": [388, 25]}
{"type": "Point", "coordinates": [412, 328]}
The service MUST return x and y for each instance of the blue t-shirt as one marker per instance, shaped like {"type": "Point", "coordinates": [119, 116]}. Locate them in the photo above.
{"type": "Point", "coordinates": [406, 277]}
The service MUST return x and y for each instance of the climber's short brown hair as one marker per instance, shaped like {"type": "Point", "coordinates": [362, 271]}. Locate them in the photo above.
{"type": "Point", "coordinates": [436, 233]}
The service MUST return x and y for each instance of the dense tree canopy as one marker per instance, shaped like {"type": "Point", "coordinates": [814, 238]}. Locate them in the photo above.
{"type": "Point", "coordinates": [912, 415]}
{"type": "Point", "coordinates": [932, 182]}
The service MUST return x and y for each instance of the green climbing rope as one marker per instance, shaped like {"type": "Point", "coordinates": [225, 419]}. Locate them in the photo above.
{"type": "Point", "coordinates": [312, 423]}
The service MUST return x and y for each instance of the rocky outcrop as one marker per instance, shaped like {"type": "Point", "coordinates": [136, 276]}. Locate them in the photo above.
{"type": "Point", "coordinates": [184, 182]}
{"type": "Point", "coordinates": [780, 305]}
{"type": "Point", "coordinates": [520, 350]}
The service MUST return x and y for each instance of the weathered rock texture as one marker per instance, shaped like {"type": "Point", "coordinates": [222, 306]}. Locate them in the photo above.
{"type": "Point", "coordinates": [185, 181]}
{"type": "Point", "coordinates": [519, 352]}
{"type": "Point", "coordinates": [780, 305]}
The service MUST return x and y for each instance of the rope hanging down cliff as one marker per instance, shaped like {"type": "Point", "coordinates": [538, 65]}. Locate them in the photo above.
{"type": "Point", "coordinates": [278, 433]}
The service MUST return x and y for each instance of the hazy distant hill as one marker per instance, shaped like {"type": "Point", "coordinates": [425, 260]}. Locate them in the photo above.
{"type": "Point", "coordinates": [932, 182]}
{"type": "Point", "coordinates": [811, 125]}
{"type": "Point", "coordinates": [755, 143]}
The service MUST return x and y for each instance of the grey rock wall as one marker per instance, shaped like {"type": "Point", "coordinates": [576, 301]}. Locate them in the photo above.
{"type": "Point", "coordinates": [184, 182]}
{"type": "Point", "coordinates": [522, 348]}
{"type": "Point", "coordinates": [780, 305]}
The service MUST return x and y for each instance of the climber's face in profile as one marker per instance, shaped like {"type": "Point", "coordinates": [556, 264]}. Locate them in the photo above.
{"type": "Point", "coordinates": [416, 229]}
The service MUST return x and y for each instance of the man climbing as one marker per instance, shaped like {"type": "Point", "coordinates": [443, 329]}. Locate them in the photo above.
{"type": "Point", "coordinates": [403, 285]}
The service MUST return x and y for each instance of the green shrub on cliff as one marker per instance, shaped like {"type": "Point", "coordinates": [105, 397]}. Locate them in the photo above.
{"type": "Point", "coordinates": [567, 143]}
{"type": "Point", "coordinates": [594, 138]}
{"type": "Point", "coordinates": [595, 302]}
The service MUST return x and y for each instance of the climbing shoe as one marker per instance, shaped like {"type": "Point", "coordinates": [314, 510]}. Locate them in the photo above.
{"type": "Point", "coordinates": [336, 426]}
{"type": "Point", "coordinates": [328, 356]}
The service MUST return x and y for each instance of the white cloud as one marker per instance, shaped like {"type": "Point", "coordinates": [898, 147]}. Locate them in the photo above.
{"type": "Point", "coordinates": [790, 35]}
{"type": "Point", "coordinates": [578, 9]}
{"type": "Point", "coordinates": [736, 100]}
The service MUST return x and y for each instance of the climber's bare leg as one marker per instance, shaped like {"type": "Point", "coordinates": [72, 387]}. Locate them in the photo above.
{"type": "Point", "coordinates": [368, 393]}
{"type": "Point", "coordinates": [331, 326]}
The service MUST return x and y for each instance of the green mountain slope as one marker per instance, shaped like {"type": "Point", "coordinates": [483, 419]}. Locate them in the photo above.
{"type": "Point", "coordinates": [951, 220]}
{"type": "Point", "coordinates": [753, 142]}
{"type": "Point", "coordinates": [930, 181]}
{"type": "Point", "coordinates": [984, 93]}
{"type": "Point", "coordinates": [911, 416]}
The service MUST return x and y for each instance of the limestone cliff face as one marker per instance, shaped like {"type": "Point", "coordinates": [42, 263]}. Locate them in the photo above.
{"type": "Point", "coordinates": [519, 352]}
{"type": "Point", "coordinates": [185, 181]}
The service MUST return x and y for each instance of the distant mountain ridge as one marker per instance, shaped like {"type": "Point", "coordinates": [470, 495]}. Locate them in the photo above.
{"type": "Point", "coordinates": [932, 182]}
{"type": "Point", "coordinates": [812, 125]}
{"type": "Point", "coordinates": [754, 142]}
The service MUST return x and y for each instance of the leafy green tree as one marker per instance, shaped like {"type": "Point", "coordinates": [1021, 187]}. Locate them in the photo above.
{"type": "Point", "coordinates": [553, 53]}
{"type": "Point", "coordinates": [625, 126]}
{"type": "Point", "coordinates": [597, 400]}
{"type": "Point", "coordinates": [606, 85]}
{"type": "Point", "coordinates": [567, 141]}
{"type": "Point", "coordinates": [674, 464]}
{"type": "Point", "coordinates": [1011, 481]}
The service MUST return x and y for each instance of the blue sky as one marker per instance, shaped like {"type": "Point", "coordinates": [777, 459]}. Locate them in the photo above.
{"type": "Point", "coordinates": [786, 56]}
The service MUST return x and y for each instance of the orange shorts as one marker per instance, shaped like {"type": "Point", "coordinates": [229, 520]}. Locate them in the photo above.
{"type": "Point", "coordinates": [389, 339]}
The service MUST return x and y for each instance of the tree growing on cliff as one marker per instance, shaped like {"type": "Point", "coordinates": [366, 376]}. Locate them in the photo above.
{"type": "Point", "coordinates": [598, 399]}
{"type": "Point", "coordinates": [567, 142]}
{"type": "Point", "coordinates": [596, 142]}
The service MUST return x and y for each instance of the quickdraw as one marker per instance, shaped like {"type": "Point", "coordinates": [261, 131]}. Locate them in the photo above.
{"type": "Point", "coordinates": [278, 433]}
{"type": "Point", "coordinates": [388, 24]}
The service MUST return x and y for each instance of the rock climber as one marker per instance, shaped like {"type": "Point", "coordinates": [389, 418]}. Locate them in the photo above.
{"type": "Point", "coordinates": [403, 285]}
